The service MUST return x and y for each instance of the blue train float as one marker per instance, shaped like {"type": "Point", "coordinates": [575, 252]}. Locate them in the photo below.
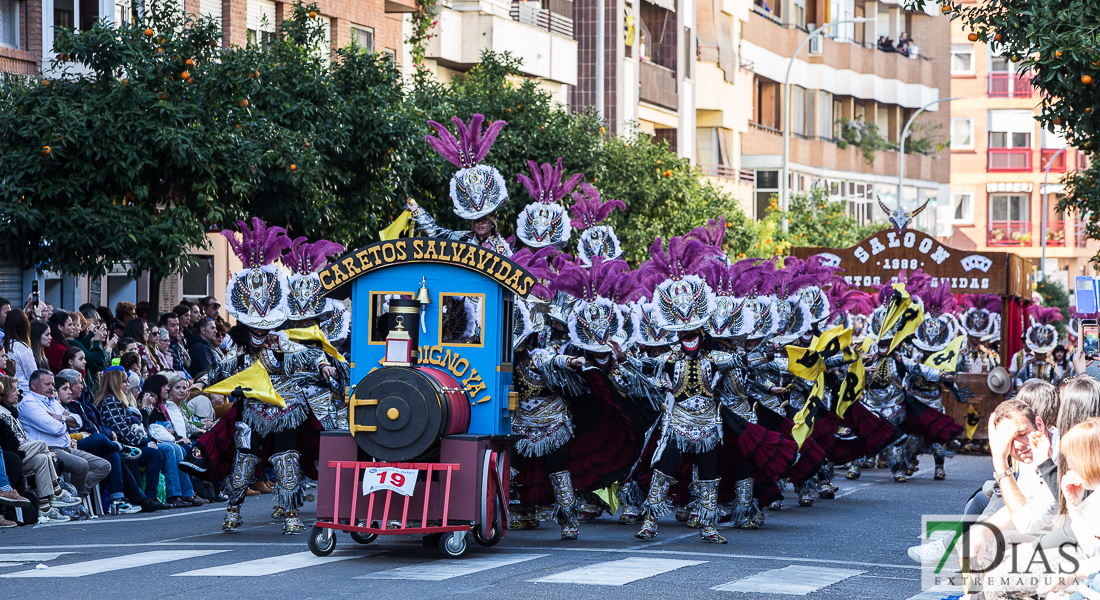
{"type": "Point", "coordinates": [431, 352]}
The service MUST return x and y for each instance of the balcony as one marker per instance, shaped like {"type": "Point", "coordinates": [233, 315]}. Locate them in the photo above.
{"type": "Point", "coordinates": [658, 86]}
{"type": "Point", "coordinates": [1009, 233]}
{"type": "Point", "coordinates": [1008, 85]}
{"type": "Point", "coordinates": [719, 171]}
{"type": "Point", "coordinates": [1056, 233]}
{"type": "Point", "coordinates": [764, 143]}
{"type": "Point", "coordinates": [1080, 238]}
{"type": "Point", "coordinates": [1009, 160]}
{"type": "Point", "coordinates": [1059, 165]}
{"type": "Point", "coordinates": [551, 17]}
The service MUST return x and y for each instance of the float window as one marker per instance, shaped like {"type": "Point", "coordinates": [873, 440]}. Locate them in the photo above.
{"type": "Point", "coordinates": [379, 309]}
{"type": "Point", "coordinates": [462, 319]}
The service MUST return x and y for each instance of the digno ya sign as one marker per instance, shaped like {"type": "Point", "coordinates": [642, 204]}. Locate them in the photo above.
{"type": "Point", "coordinates": [380, 255]}
{"type": "Point", "coordinates": [878, 259]}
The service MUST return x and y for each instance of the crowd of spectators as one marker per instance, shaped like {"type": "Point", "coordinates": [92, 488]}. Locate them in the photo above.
{"type": "Point", "coordinates": [96, 400]}
{"type": "Point", "coordinates": [1034, 528]}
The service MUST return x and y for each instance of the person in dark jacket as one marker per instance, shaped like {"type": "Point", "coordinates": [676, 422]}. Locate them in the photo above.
{"type": "Point", "coordinates": [202, 348]}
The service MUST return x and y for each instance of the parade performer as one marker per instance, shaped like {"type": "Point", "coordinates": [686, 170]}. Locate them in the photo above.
{"type": "Point", "coordinates": [477, 190]}
{"type": "Point", "coordinates": [576, 435]}
{"type": "Point", "coordinates": [1040, 339]}
{"type": "Point", "coordinates": [545, 222]}
{"type": "Point", "coordinates": [936, 332]}
{"type": "Point", "coordinates": [271, 420]}
{"type": "Point", "coordinates": [691, 421]}
{"type": "Point", "coordinates": [981, 328]}
{"type": "Point", "coordinates": [589, 210]}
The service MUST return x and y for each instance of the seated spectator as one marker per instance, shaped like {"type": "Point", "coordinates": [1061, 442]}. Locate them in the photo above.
{"type": "Point", "coordinates": [44, 419]}
{"type": "Point", "coordinates": [41, 338]}
{"type": "Point", "coordinates": [89, 438]}
{"type": "Point", "coordinates": [138, 331]}
{"type": "Point", "coordinates": [38, 461]}
{"type": "Point", "coordinates": [179, 389]}
{"type": "Point", "coordinates": [62, 328]}
{"type": "Point", "coordinates": [159, 355]}
{"type": "Point", "coordinates": [95, 343]}
{"type": "Point", "coordinates": [109, 408]}
{"type": "Point", "coordinates": [183, 315]}
{"type": "Point", "coordinates": [125, 312]}
{"type": "Point", "coordinates": [201, 348]}
{"type": "Point", "coordinates": [131, 363]}
{"type": "Point", "coordinates": [17, 344]}
{"type": "Point", "coordinates": [8, 495]}
{"type": "Point", "coordinates": [1080, 448]}
{"type": "Point", "coordinates": [74, 359]}
{"type": "Point", "coordinates": [158, 413]}
{"type": "Point", "coordinates": [180, 359]}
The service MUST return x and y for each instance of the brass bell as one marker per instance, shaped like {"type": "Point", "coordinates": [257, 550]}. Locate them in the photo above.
{"type": "Point", "coordinates": [422, 295]}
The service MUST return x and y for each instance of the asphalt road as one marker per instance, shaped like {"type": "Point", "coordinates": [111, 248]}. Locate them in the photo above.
{"type": "Point", "coordinates": [847, 548]}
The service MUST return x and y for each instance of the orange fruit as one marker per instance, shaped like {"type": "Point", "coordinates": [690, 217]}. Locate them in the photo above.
{"type": "Point", "coordinates": [163, 96]}
{"type": "Point", "coordinates": [998, 38]}
{"type": "Point", "coordinates": [185, 75]}
{"type": "Point", "coordinates": [149, 33]}
{"type": "Point", "coordinates": [313, 14]}
{"type": "Point", "coordinates": [945, 9]}
{"type": "Point", "coordinates": [124, 81]}
{"type": "Point", "coordinates": [189, 62]}
{"type": "Point", "coordinates": [1057, 120]}
{"type": "Point", "coordinates": [293, 167]}
{"type": "Point", "coordinates": [244, 103]}
{"type": "Point", "coordinates": [1057, 54]}
{"type": "Point", "coordinates": [45, 82]}
{"type": "Point", "coordinates": [1086, 79]}
{"type": "Point", "coordinates": [972, 37]}
{"type": "Point", "coordinates": [45, 150]}
{"type": "Point", "coordinates": [160, 50]}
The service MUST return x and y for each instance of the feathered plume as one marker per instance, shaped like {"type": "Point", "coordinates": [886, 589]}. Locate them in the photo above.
{"type": "Point", "coordinates": [589, 209]}
{"type": "Point", "coordinates": [847, 299]}
{"type": "Point", "coordinates": [306, 258]}
{"type": "Point", "coordinates": [725, 279]}
{"type": "Point", "coordinates": [938, 300]}
{"type": "Point", "coordinates": [259, 245]}
{"type": "Point", "coordinates": [470, 147]}
{"type": "Point", "coordinates": [712, 234]}
{"type": "Point", "coordinates": [682, 257]}
{"type": "Point", "coordinates": [545, 183]}
{"type": "Point", "coordinates": [1044, 315]}
{"type": "Point", "coordinates": [990, 302]}
{"type": "Point", "coordinates": [538, 264]}
{"type": "Point", "coordinates": [601, 280]}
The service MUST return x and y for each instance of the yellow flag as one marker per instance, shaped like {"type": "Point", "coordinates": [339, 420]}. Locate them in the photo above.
{"type": "Point", "coordinates": [400, 225]}
{"type": "Point", "coordinates": [907, 325]}
{"type": "Point", "coordinates": [253, 381]}
{"type": "Point", "coordinates": [851, 388]}
{"type": "Point", "coordinates": [802, 429]}
{"type": "Point", "coordinates": [945, 360]}
{"type": "Point", "coordinates": [313, 334]}
{"type": "Point", "coordinates": [898, 304]}
{"type": "Point", "coordinates": [973, 419]}
{"type": "Point", "coordinates": [610, 496]}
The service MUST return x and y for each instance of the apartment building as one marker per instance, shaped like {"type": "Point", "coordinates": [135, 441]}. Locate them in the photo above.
{"type": "Point", "coordinates": [999, 159]}
{"type": "Point", "coordinates": [854, 75]}
{"type": "Point", "coordinates": [724, 99]}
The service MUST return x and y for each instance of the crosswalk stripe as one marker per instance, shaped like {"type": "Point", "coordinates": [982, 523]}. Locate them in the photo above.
{"type": "Point", "coordinates": [619, 572]}
{"type": "Point", "coordinates": [271, 565]}
{"type": "Point", "coordinates": [117, 563]}
{"type": "Point", "coordinates": [795, 580]}
{"type": "Point", "coordinates": [440, 570]}
{"type": "Point", "coordinates": [30, 556]}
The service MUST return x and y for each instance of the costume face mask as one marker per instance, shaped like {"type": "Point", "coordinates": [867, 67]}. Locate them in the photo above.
{"type": "Point", "coordinates": [691, 342]}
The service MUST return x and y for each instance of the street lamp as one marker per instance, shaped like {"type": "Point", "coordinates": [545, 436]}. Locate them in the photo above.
{"type": "Point", "coordinates": [905, 134]}
{"type": "Point", "coordinates": [783, 187]}
{"type": "Point", "coordinates": [1043, 217]}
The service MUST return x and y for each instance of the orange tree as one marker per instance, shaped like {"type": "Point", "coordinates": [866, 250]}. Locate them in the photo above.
{"type": "Point", "coordinates": [148, 135]}
{"type": "Point", "coordinates": [1056, 41]}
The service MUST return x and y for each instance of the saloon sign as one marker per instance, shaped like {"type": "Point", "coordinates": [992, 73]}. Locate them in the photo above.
{"type": "Point", "coordinates": [878, 259]}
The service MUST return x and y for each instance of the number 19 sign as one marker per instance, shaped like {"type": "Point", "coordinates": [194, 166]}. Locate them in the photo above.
{"type": "Point", "coordinates": [402, 481]}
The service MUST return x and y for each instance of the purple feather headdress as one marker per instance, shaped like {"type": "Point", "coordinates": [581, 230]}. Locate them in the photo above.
{"type": "Point", "coordinates": [846, 299]}
{"type": "Point", "coordinates": [600, 280]}
{"type": "Point", "coordinates": [545, 184]}
{"type": "Point", "coordinates": [711, 234]}
{"type": "Point", "coordinates": [727, 280]}
{"type": "Point", "coordinates": [990, 302]}
{"type": "Point", "coordinates": [305, 258]}
{"type": "Point", "coordinates": [470, 147]}
{"type": "Point", "coordinates": [259, 245]}
{"type": "Point", "coordinates": [938, 300]}
{"type": "Point", "coordinates": [589, 209]}
{"type": "Point", "coordinates": [538, 264]}
{"type": "Point", "coordinates": [682, 257]}
{"type": "Point", "coordinates": [1044, 315]}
